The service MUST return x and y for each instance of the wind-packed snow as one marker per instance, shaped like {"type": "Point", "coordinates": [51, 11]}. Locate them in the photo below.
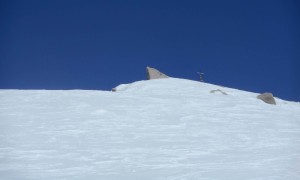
{"type": "Point", "coordinates": [168, 129]}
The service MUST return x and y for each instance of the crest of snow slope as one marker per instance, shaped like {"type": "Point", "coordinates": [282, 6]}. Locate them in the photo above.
{"type": "Point", "coordinates": [158, 129]}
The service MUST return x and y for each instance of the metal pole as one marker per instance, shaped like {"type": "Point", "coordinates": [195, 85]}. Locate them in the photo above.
{"type": "Point", "coordinates": [201, 74]}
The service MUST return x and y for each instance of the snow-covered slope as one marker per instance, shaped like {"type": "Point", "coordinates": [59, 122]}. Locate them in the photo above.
{"type": "Point", "coordinates": [158, 129]}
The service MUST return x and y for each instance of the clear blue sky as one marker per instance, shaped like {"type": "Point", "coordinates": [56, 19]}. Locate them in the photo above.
{"type": "Point", "coordinates": [70, 44]}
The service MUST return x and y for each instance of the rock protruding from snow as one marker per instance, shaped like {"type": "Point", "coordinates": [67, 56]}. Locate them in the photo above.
{"type": "Point", "coordinates": [218, 90]}
{"type": "Point", "coordinates": [267, 98]}
{"type": "Point", "coordinates": [155, 74]}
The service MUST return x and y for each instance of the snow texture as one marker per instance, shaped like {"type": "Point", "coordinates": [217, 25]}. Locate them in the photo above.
{"type": "Point", "coordinates": [164, 129]}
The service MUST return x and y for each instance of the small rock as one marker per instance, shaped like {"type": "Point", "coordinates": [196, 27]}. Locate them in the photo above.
{"type": "Point", "coordinates": [267, 98]}
{"type": "Point", "coordinates": [218, 90]}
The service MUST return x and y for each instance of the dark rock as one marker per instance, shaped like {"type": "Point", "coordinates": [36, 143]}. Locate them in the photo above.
{"type": "Point", "coordinates": [155, 74]}
{"type": "Point", "coordinates": [218, 90]}
{"type": "Point", "coordinates": [267, 98]}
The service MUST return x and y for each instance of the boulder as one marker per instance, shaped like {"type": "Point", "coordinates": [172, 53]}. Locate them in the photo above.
{"type": "Point", "coordinates": [267, 98]}
{"type": "Point", "coordinates": [155, 74]}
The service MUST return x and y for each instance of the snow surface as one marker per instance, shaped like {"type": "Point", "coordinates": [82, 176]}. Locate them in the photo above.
{"type": "Point", "coordinates": [168, 129]}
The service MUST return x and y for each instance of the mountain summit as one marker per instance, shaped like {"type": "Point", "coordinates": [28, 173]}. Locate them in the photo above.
{"type": "Point", "coordinates": [156, 129]}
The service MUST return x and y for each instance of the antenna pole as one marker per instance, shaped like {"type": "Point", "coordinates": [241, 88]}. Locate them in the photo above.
{"type": "Point", "coordinates": [201, 74]}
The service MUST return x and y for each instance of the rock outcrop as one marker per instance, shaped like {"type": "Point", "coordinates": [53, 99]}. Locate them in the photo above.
{"type": "Point", "coordinates": [155, 74]}
{"type": "Point", "coordinates": [267, 98]}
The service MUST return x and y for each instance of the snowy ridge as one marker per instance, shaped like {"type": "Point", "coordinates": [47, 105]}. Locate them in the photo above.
{"type": "Point", "coordinates": [158, 129]}
{"type": "Point", "coordinates": [184, 87]}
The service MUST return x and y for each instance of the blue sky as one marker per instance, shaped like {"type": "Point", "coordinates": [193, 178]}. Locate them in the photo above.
{"type": "Point", "coordinates": [70, 44]}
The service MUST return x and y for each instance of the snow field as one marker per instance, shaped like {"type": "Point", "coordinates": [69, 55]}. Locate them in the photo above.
{"type": "Point", "coordinates": [159, 129]}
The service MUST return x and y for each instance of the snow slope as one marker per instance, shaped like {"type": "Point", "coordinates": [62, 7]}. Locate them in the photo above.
{"type": "Point", "coordinates": [158, 129]}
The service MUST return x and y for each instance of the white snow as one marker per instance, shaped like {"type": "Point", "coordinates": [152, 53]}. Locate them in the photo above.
{"type": "Point", "coordinates": [168, 129]}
